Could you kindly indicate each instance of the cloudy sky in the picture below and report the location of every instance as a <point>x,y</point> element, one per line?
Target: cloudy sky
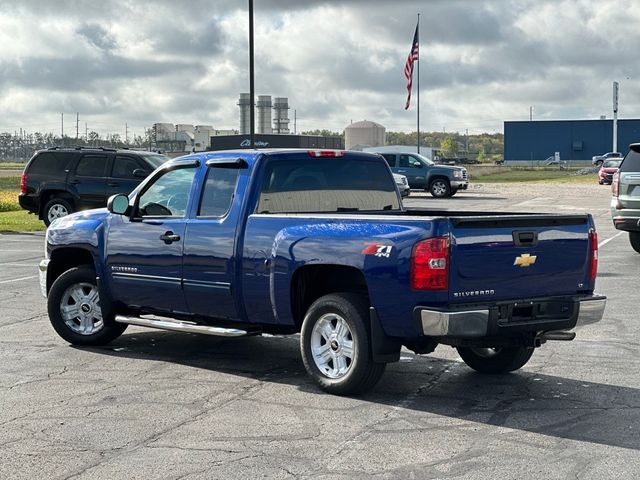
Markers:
<point>482,62</point>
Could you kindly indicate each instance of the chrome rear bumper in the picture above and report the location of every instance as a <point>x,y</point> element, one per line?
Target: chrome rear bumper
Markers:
<point>480,322</point>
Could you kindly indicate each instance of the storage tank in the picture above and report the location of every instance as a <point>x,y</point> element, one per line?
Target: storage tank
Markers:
<point>364,133</point>
<point>281,115</point>
<point>263,108</point>
<point>245,113</point>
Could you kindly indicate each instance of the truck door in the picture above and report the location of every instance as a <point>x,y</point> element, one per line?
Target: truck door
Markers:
<point>144,252</point>
<point>413,169</point>
<point>88,180</point>
<point>209,250</point>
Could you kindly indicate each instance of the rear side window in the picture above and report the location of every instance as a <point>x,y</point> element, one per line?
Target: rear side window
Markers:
<point>390,158</point>
<point>50,163</point>
<point>91,166</point>
<point>631,162</point>
<point>218,191</point>
<point>327,185</point>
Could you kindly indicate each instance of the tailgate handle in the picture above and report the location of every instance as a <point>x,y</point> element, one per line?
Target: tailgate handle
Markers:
<point>525,239</point>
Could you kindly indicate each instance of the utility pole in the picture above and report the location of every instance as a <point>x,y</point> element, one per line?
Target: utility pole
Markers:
<point>77,124</point>
<point>126,133</point>
<point>86,132</point>
<point>252,113</point>
<point>530,113</point>
<point>62,125</point>
<point>615,117</point>
<point>466,138</point>
<point>295,120</point>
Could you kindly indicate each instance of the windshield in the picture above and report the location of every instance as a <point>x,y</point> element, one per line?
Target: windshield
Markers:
<point>424,159</point>
<point>155,159</point>
<point>612,163</point>
<point>327,185</point>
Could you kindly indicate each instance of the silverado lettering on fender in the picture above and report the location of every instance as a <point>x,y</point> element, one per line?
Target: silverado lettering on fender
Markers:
<point>283,241</point>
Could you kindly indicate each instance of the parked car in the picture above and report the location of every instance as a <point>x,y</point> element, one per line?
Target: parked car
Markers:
<point>440,180</point>
<point>247,242</point>
<point>607,170</point>
<point>403,184</point>
<point>599,159</point>
<point>625,205</point>
<point>59,181</point>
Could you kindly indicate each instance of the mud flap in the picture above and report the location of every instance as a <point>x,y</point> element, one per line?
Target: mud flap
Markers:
<point>384,349</point>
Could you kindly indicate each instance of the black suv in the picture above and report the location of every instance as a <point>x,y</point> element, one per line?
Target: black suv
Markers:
<point>59,181</point>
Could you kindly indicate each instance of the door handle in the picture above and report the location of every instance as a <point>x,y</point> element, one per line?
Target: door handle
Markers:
<point>74,182</point>
<point>402,171</point>
<point>169,237</point>
<point>113,184</point>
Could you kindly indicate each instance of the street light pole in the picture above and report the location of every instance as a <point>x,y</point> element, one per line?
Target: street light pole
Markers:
<point>615,116</point>
<point>252,115</point>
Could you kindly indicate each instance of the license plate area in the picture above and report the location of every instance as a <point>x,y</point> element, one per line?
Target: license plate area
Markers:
<point>529,311</point>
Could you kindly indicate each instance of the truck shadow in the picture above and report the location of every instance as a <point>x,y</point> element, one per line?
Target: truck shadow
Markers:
<point>545,404</point>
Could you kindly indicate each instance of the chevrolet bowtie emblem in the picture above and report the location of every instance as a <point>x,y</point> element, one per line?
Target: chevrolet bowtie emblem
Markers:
<point>525,260</point>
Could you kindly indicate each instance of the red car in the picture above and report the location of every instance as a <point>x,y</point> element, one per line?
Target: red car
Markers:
<point>607,170</point>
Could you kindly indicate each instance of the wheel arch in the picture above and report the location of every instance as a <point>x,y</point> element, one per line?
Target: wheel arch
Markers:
<point>51,193</point>
<point>63,259</point>
<point>310,282</point>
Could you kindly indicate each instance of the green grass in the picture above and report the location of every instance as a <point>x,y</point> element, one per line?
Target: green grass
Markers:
<point>534,175</point>
<point>20,221</point>
<point>11,165</point>
<point>10,183</point>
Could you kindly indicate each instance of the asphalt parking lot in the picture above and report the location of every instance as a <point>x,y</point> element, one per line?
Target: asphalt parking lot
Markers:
<point>169,405</point>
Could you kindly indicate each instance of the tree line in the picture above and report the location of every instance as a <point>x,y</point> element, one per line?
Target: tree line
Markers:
<point>21,146</point>
<point>485,146</point>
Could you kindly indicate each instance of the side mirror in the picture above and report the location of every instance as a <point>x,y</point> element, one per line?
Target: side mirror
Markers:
<point>118,204</point>
<point>417,164</point>
<point>140,173</point>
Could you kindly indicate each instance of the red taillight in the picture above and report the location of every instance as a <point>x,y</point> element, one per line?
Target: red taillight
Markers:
<point>23,183</point>
<point>430,264</point>
<point>615,183</point>
<point>326,153</point>
<point>593,248</point>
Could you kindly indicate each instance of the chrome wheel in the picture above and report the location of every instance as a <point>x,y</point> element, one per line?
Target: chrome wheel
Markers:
<point>80,309</point>
<point>487,352</point>
<point>332,345</point>
<point>439,188</point>
<point>56,211</point>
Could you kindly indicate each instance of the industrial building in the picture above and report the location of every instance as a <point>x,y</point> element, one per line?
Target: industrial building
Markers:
<point>575,140</point>
<point>232,142</point>
<point>264,109</point>
<point>183,137</point>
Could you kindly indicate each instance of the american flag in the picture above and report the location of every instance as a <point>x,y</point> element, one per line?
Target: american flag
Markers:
<point>408,67</point>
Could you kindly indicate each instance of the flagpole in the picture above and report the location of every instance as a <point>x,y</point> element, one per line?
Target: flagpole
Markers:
<point>418,87</point>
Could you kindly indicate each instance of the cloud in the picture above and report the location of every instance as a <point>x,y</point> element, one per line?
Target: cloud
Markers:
<point>482,62</point>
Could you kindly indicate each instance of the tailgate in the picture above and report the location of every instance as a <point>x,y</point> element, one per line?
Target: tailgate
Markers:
<point>519,256</point>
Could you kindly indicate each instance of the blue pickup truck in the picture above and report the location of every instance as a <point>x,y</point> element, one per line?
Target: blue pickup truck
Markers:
<point>317,242</point>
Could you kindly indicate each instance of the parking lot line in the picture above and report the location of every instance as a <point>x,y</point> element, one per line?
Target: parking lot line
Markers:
<point>604,242</point>
<point>18,279</point>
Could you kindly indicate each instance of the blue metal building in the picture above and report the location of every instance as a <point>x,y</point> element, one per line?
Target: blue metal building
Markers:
<point>574,139</point>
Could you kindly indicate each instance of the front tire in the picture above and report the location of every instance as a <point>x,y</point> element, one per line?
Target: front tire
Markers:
<point>634,240</point>
<point>56,208</point>
<point>495,360</point>
<point>76,312</point>
<point>440,188</point>
<point>336,347</point>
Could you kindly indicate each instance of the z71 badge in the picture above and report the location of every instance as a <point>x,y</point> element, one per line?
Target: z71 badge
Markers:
<point>378,250</point>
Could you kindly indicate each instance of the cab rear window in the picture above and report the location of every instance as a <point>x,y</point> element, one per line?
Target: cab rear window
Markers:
<point>327,185</point>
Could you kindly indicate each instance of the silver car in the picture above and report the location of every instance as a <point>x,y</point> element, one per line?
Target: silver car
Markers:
<point>599,159</point>
<point>403,184</point>
<point>625,204</point>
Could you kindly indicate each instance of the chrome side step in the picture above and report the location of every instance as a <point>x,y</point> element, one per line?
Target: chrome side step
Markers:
<point>174,325</point>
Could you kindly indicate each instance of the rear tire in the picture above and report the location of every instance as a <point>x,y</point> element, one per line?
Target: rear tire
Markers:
<point>634,240</point>
<point>440,188</point>
<point>495,360</point>
<point>335,344</point>
<point>56,208</point>
<point>76,311</point>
